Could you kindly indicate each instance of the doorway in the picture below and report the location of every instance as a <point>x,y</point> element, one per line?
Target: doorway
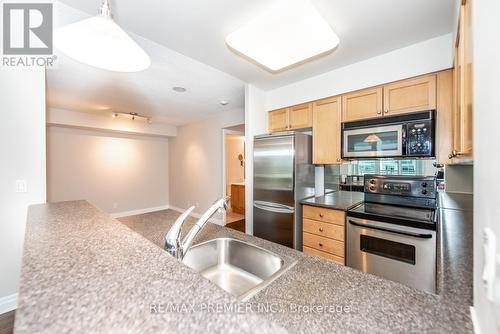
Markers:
<point>234,176</point>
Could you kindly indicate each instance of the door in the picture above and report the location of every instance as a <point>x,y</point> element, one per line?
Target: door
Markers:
<point>300,116</point>
<point>384,141</point>
<point>278,120</point>
<point>273,207</point>
<point>326,131</point>
<point>410,95</point>
<point>362,104</point>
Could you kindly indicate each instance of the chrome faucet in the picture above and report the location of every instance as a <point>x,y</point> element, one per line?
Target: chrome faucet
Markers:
<point>173,243</point>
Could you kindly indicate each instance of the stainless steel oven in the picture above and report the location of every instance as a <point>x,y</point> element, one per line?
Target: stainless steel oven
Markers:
<point>410,135</point>
<point>392,234</point>
<point>399,253</point>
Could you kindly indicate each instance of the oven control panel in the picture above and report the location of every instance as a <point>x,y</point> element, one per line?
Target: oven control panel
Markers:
<point>419,139</point>
<point>414,186</point>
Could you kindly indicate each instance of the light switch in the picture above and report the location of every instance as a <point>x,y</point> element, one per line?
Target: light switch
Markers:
<point>21,186</point>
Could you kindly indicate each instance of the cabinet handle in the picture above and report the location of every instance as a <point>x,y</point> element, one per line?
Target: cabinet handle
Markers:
<point>338,160</point>
<point>387,111</point>
<point>320,215</point>
<point>320,244</point>
<point>321,229</point>
<point>379,112</point>
<point>454,154</point>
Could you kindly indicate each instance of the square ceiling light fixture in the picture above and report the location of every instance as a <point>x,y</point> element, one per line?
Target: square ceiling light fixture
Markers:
<point>290,32</point>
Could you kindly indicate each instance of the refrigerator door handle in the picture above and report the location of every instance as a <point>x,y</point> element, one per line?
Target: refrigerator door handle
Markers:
<point>273,207</point>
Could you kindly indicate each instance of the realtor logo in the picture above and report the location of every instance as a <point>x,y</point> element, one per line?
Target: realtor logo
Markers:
<point>27,29</point>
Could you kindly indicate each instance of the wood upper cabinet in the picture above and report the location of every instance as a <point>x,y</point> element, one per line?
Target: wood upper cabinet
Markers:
<point>366,103</point>
<point>326,130</point>
<point>300,116</point>
<point>278,120</point>
<point>292,118</point>
<point>444,122</point>
<point>410,95</point>
<point>462,118</point>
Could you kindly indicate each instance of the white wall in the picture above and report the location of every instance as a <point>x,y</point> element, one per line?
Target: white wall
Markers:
<point>116,172</point>
<point>22,147</point>
<point>235,171</point>
<point>255,123</point>
<point>486,67</point>
<point>428,56</point>
<point>195,159</point>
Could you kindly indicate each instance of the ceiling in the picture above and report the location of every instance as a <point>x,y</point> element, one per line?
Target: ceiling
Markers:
<point>210,71</point>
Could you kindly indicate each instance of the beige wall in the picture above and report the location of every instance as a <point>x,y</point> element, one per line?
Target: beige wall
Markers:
<point>22,147</point>
<point>116,172</point>
<point>196,161</point>
<point>235,171</point>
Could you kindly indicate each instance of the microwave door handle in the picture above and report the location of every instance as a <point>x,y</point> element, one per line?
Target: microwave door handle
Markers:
<point>384,229</point>
<point>403,140</point>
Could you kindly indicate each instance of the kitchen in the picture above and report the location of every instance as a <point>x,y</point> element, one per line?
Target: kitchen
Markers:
<point>368,187</point>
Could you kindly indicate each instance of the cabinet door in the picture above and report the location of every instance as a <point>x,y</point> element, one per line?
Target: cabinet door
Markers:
<point>444,125</point>
<point>462,121</point>
<point>410,95</point>
<point>278,120</point>
<point>326,131</point>
<point>241,197</point>
<point>300,116</point>
<point>362,104</point>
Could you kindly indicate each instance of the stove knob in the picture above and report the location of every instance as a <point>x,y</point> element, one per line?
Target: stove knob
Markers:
<point>372,188</point>
<point>424,184</point>
<point>424,192</point>
<point>372,181</point>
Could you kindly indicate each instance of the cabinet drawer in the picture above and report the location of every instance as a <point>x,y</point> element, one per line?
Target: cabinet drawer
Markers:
<point>324,215</point>
<point>326,230</point>
<point>331,246</point>
<point>327,256</point>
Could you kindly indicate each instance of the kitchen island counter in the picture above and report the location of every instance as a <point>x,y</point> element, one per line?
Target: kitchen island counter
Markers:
<point>84,271</point>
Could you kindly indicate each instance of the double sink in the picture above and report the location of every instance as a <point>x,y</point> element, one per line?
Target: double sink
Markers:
<point>240,268</point>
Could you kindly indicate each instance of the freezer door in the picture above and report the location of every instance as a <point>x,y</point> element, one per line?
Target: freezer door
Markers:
<point>274,222</point>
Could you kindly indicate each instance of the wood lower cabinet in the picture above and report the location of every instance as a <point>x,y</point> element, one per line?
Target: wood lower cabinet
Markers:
<point>300,116</point>
<point>324,233</point>
<point>410,95</point>
<point>326,131</point>
<point>362,104</point>
<point>238,198</point>
<point>278,120</point>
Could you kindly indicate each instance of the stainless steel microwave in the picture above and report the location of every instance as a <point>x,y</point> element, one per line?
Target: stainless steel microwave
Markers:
<point>407,135</point>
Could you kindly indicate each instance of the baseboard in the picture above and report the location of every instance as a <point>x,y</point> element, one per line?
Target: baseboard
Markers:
<point>197,215</point>
<point>475,324</point>
<point>139,211</point>
<point>8,303</point>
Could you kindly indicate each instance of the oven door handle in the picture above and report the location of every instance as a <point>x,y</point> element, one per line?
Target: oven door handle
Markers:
<point>410,234</point>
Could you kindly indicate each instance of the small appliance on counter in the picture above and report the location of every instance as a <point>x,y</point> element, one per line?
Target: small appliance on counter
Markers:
<point>352,183</point>
<point>392,234</point>
<point>409,135</point>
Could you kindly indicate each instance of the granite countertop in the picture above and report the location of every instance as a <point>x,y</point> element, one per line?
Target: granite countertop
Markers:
<point>338,200</point>
<point>83,271</point>
<point>455,247</point>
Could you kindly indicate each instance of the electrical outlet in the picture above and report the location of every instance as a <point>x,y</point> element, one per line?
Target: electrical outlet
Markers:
<point>21,186</point>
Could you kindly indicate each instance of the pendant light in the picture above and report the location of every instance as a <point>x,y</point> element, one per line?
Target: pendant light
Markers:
<point>100,42</point>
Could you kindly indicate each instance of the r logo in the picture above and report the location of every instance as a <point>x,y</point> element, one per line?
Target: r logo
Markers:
<point>27,28</point>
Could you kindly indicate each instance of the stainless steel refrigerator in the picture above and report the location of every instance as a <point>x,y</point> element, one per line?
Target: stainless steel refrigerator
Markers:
<point>283,176</point>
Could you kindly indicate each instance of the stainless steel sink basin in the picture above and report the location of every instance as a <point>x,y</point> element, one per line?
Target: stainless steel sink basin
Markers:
<point>238,267</point>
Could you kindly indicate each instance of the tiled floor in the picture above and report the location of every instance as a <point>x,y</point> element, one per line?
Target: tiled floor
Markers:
<point>235,221</point>
<point>7,322</point>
